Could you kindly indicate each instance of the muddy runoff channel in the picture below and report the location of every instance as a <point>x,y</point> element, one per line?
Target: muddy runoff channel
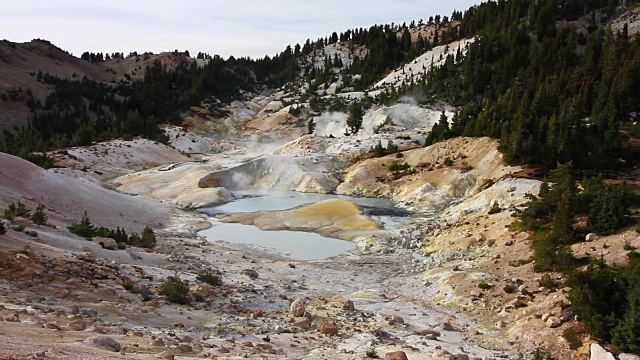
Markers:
<point>286,244</point>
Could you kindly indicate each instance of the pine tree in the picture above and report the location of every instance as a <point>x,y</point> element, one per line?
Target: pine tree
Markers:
<point>84,228</point>
<point>39,217</point>
<point>354,121</point>
<point>148,238</point>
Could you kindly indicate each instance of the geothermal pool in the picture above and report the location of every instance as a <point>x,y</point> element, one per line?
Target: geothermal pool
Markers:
<point>285,244</point>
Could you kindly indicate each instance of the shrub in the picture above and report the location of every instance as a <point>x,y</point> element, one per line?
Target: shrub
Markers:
<point>39,217</point>
<point>399,155</point>
<point>509,289</point>
<point>543,355</point>
<point>128,285</point>
<point>18,228</point>
<point>148,239</point>
<point>448,162</point>
<point>14,210</point>
<point>211,277</point>
<point>175,290</point>
<point>572,337</point>
<point>495,208</point>
<point>2,228</point>
<point>83,228</point>
<point>547,282</point>
<point>628,246</point>
<point>484,285</point>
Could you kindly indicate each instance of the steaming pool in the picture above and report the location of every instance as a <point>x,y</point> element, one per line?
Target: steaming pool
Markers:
<point>286,244</point>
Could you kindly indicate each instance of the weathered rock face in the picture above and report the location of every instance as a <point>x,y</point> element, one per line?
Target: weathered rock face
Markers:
<point>444,172</point>
<point>180,185</point>
<point>304,174</point>
<point>598,353</point>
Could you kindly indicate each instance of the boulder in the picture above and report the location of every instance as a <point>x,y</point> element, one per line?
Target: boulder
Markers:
<point>628,357</point>
<point>591,237</point>
<point>598,353</point>
<point>328,328</point>
<point>447,326</point>
<point>166,355</point>
<point>185,348</point>
<point>105,342</point>
<point>553,322</point>
<point>441,355</point>
<point>481,237</point>
<point>347,305</point>
<point>106,243</point>
<point>461,357</point>
<point>78,325</point>
<point>396,355</point>
<point>396,319</point>
<point>428,332</point>
<point>297,308</point>
<point>250,273</point>
<point>302,322</point>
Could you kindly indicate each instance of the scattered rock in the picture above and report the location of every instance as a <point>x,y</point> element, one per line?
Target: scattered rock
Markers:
<point>347,305</point>
<point>441,355</point>
<point>302,322</point>
<point>396,319</point>
<point>166,355</point>
<point>396,355</point>
<point>78,325</point>
<point>598,353</point>
<point>628,357</point>
<point>185,348</point>
<point>106,243</point>
<point>481,237</point>
<point>250,273</point>
<point>591,237</point>
<point>447,326</point>
<point>428,332</point>
<point>515,355</point>
<point>328,328</point>
<point>553,322</point>
<point>105,342</point>
<point>297,308</point>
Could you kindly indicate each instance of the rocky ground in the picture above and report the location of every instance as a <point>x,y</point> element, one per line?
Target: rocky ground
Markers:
<point>453,282</point>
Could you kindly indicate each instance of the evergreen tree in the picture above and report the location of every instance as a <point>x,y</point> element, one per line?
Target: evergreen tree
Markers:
<point>354,120</point>
<point>148,238</point>
<point>39,217</point>
<point>84,228</point>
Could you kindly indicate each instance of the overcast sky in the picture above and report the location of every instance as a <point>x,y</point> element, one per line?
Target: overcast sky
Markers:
<point>231,27</point>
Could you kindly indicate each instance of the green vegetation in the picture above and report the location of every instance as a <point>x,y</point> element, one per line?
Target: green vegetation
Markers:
<point>86,229</point>
<point>2,228</point>
<point>39,217</point>
<point>20,210</point>
<point>608,302</point>
<point>547,282</point>
<point>495,208</point>
<point>14,210</point>
<point>175,290</point>
<point>379,150</point>
<point>211,277</point>
<point>484,285</point>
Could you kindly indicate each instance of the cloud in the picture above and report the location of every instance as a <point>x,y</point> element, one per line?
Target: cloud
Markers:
<point>240,28</point>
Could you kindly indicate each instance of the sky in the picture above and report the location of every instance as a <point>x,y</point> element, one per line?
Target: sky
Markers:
<point>231,27</point>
